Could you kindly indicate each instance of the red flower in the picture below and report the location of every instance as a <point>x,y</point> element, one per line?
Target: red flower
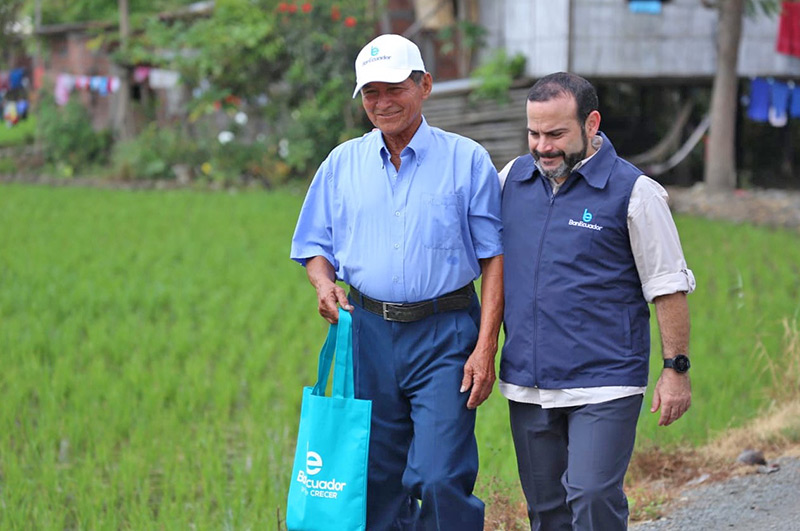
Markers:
<point>335,13</point>
<point>350,22</point>
<point>306,8</point>
<point>292,8</point>
<point>283,7</point>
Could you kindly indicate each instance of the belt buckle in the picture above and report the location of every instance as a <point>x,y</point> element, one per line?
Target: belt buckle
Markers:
<point>387,307</point>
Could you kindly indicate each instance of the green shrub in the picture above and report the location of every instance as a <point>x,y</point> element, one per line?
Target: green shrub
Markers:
<point>154,153</point>
<point>68,139</point>
<point>496,76</point>
<point>291,63</point>
<point>8,166</point>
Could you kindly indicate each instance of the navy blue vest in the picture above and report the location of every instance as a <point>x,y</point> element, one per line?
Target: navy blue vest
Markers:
<point>575,315</point>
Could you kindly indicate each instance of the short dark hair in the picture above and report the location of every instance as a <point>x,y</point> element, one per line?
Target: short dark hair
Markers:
<point>416,76</point>
<point>565,84</point>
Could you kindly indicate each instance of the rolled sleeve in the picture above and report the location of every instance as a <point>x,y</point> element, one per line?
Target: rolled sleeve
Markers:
<point>313,235</point>
<point>655,242</point>
<point>485,223</point>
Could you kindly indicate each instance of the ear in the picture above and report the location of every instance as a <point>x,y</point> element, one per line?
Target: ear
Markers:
<point>592,124</point>
<point>426,85</point>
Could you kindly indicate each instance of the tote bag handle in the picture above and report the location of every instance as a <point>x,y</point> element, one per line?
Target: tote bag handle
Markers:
<point>338,345</point>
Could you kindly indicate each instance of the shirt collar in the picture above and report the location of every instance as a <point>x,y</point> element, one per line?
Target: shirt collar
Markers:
<point>596,168</point>
<point>419,145</point>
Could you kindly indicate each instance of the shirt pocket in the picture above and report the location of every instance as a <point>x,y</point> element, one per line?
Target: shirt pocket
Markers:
<point>441,221</point>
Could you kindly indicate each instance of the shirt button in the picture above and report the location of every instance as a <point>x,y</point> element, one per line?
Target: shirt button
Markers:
<point>397,214</point>
<point>397,246</point>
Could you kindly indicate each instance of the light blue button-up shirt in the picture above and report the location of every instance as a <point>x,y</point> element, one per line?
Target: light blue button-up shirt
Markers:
<point>407,235</point>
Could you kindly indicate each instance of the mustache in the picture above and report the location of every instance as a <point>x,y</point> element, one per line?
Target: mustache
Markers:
<point>548,154</point>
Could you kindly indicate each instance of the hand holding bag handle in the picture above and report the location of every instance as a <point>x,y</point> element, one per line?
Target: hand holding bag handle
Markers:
<point>328,489</point>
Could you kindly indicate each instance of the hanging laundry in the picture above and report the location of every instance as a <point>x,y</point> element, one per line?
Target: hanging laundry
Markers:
<point>99,84</point>
<point>794,108</point>
<point>64,85</point>
<point>163,79</point>
<point>789,29</point>
<point>652,7</point>
<point>140,74</point>
<point>15,78</point>
<point>82,82</point>
<point>113,85</point>
<point>3,81</point>
<point>758,110</point>
<point>779,104</point>
<point>22,109</point>
<point>10,115</point>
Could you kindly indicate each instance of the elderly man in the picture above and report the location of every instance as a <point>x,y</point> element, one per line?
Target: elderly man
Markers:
<point>409,216</point>
<point>589,242</point>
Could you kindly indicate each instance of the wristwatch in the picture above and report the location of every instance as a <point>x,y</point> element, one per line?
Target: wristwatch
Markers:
<point>679,363</point>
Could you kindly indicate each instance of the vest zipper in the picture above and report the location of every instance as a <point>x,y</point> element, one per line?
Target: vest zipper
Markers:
<point>536,289</point>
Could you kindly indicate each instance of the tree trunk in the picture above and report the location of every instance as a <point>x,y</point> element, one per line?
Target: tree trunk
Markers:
<point>122,119</point>
<point>720,170</point>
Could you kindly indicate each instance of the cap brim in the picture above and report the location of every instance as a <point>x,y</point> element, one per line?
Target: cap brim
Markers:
<point>382,75</point>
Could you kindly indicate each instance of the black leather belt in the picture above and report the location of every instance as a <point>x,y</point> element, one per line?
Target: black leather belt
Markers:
<point>414,311</point>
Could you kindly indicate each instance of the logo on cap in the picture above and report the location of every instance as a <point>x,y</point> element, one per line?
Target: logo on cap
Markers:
<point>374,51</point>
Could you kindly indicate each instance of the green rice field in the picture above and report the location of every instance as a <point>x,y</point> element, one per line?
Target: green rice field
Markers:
<point>154,346</point>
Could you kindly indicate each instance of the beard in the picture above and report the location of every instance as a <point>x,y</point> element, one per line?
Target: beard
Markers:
<point>569,159</point>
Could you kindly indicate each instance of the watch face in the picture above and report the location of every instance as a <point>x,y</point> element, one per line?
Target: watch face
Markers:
<point>681,363</point>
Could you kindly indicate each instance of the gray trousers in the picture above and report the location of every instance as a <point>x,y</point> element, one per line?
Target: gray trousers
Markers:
<point>572,462</point>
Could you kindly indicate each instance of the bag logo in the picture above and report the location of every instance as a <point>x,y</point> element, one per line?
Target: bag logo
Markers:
<point>313,463</point>
<point>318,488</point>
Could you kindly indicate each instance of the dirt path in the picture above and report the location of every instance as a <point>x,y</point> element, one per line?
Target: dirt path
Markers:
<point>752,502</point>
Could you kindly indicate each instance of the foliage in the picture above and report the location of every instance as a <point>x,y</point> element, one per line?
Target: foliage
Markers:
<point>162,152</point>
<point>496,75</point>
<point>154,152</point>
<point>472,36</point>
<point>8,165</point>
<point>155,345</point>
<point>20,134</point>
<point>66,11</point>
<point>767,8</point>
<point>67,137</point>
<point>290,62</point>
<point>9,14</point>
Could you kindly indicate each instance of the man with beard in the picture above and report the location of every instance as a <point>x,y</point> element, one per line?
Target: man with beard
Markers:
<point>589,241</point>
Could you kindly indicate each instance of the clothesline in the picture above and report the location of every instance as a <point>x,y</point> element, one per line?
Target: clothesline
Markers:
<point>105,85</point>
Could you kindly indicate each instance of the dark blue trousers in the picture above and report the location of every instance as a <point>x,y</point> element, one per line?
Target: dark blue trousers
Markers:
<point>572,462</point>
<point>422,444</point>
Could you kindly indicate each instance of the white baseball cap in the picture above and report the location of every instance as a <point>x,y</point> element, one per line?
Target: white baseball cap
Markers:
<point>389,59</point>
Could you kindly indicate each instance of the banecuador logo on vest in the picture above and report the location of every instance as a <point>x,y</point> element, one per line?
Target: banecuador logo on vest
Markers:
<point>319,488</point>
<point>585,221</point>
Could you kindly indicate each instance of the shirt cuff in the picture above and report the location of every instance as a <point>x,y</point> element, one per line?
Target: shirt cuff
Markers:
<point>301,257</point>
<point>668,284</point>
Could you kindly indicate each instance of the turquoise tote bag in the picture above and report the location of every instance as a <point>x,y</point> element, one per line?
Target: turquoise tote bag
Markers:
<point>328,488</point>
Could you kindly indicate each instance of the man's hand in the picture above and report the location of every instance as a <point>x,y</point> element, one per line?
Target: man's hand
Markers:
<point>479,375</point>
<point>329,295</point>
<point>673,395</point>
